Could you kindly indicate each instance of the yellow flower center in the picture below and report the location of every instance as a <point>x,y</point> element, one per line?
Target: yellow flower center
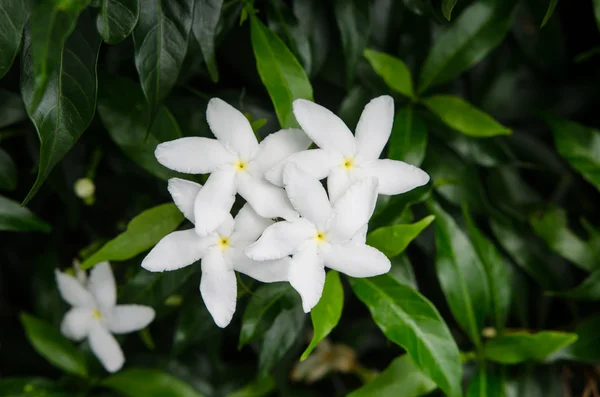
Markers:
<point>96,314</point>
<point>348,163</point>
<point>240,166</point>
<point>223,243</point>
<point>320,237</point>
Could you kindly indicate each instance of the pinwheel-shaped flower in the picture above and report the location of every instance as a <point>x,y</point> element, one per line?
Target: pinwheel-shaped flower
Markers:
<point>237,164</point>
<point>221,252</point>
<point>326,235</point>
<point>344,158</point>
<point>96,316</point>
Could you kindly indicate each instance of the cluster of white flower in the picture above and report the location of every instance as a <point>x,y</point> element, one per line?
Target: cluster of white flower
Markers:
<point>280,179</point>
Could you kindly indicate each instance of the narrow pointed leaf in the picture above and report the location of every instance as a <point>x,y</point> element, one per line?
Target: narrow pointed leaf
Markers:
<point>117,18</point>
<point>447,7</point>
<point>588,290</point>
<point>486,384</point>
<point>394,72</point>
<point>551,7</point>
<point>393,240</point>
<point>284,331</point>
<point>8,172</point>
<point>12,21</point>
<point>13,217</point>
<point>587,346</point>
<point>519,347</point>
<point>204,27</point>
<point>353,23</point>
<point>409,137</point>
<point>133,382</point>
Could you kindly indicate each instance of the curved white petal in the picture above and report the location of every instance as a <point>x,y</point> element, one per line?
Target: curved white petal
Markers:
<point>338,182</point>
<point>218,287</point>
<point>374,127</point>
<point>73,292</point>
<point>280,240</point>
<point>184,193</point>
<point>360,237</point>
<point>76,323</point>
<point>307,195</point>
<point>316,162</point>
<point>264,271</point>
<point>193,155</point>
<point>326,129</point>
<point>177,250</point>
<point>226,228</point>
<point>356,260</point>
<point>214,201</point>
<point>307,275</point>
<point>249,225</point>
<point>353,209</point>
<point>266,199</point>
<point>128,318</point>
<point>106,348</point>
<point>276,147</point>
<point>231,128</point>
<point>394,176</point>
<point>102,285</point>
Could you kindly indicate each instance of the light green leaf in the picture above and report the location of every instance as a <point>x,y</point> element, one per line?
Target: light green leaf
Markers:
<point>143,232</point>
<point>117,18</point>
<point>410,320</point>
<point>204,27</point>
<point>517,347</point>
<point>260,387</point>
<point>13,217</point>
<point>286,328</point>
<point>12,21</point>
<point>409,137</point>
<point>447,7</point>
<point>8,172</point>
<point>589,289</point>
<point>135,382</point>
<point>486,384</point>
<point>393,240</point>
<point>551,7</point>
<point>394,72</point>
<point>54,347</point>
<point>352,18</point>
<point>464,117</point>
<point>587,346</point>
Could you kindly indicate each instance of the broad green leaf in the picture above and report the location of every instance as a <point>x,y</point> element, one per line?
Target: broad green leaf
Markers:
<point>117,18</point>
<point>461,274</point>
<point>402,271</point>
<point>143,232</point>
<point>12,21</point>
<point>394,72</point>
<point>551,7</point>
<point>260,387</point>
<point>284,331</point>
<point>136,382</point>
<point>30,387</point>
<point>518,347</point>
<point>464,117</point>
<point>409,137</point>
<point>67,98</point>
<point>393,240</point>
<point>587,346</point>
<point>54,347</point>
<point>204,27</point>
<point>478,30</point>
<point>193,325</point>
<point>447,7</point>
<point>589,289</point>
<point>326,314</point>
<point>596,4</point>
<point>353,105</point>
<point>13,217</point>
<point>400,378</point>
<point>8,172</point>
<point>160,39</point>
<point>486,384</point>
<point>279,71</point>
<point>12,110</point>
<point>352,18</point>
<point>579,145</point>
<point>410,320</point>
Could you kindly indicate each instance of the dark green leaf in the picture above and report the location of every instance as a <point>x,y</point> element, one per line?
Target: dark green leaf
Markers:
<point>260,387</point>
<point>54,347</point>
<point>19,219</point>
<point>393,240</point>
<point>12,110</point>
<point>550,11</point>
<point>353,23</point>
<point>447,7</point>
<point>117,18</point>
<point>136,382</point>
<point>29,387</point>
<point>394,72</point>
<point>353,105</point>
<point>518,347</point>
<point>193,325</point>
<point>204,27</point>
<point>8,172</point>
<point>402,271</point>
<point>280,337</point>
<point>596,4</point>
<point>486,384</point>
<point>588,290</point>
<point>409,137</point>
<point>587,346</point>
<point>12,21</point>
<point>410,320</point>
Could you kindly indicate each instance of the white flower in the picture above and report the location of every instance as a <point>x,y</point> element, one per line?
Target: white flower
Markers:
<point>96,316</point>
<point>221,252</point>
<point>344,158</point>
<point>237,164</point>
<point>324,236</point>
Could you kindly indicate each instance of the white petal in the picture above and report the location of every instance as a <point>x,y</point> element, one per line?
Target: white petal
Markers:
<point>394,176</point>
<point>76,323</point>
<point>276,147</point>
<point>315,162</point>
<point>360,237</point>
<point>73,292</point>
<point>193,155</point>
<point>214,201</point>
<point>307,275</point>
<point>102,285</point>
<point>307,195</point>
<point>264,271</point>
<point>184,193</point>
<point>249,225</point>
<point>218,287</point>
<point>226,228</point>
<point>177,250</point>
<point>374,127</point>
<point>106,348</point>
<point>338,182</point>
<point>128,318</point>
<point>266,199</point>
<point>326,129</point>
<point>356,260</point>
<point>231,128</point>
<point>280,240</point>
<point>353,209</point>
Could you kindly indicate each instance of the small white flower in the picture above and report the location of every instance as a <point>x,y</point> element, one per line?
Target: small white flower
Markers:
<point>324,236</point>
<point>221,252</point>
<point>237,164</point>
<point>344,158</point>
<point>96,316</point>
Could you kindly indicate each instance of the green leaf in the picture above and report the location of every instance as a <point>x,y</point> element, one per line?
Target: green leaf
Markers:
<point>400,378</point>
<point>587,346</point>
<point>353,105</point>
<point>143,232</point>
<point>393,240</point>
<point>260,387</point>
<point>461,274</point>
<point>160,39</point>
<point>589,289</point>
<point>29,387</point>
<point>410,320</point>
<point>478,30</point>
<point>12,21</point>
<point>447,7</point>
<point>117,18</point>
<point>279,71</point>
<point>352,18</point>
<point>514,348</point>
<point>204,27</point>
<point>596,4</point>
<point>486,384</point>
<point>327,313</point>
<point>579,145</point>
<point>193,325</point>
<point>394,72</point>
<point>54,347</point>
<point>402,271</point>
<point>11,108</point>
<point>8,172</point>
<point>13,217</point>
<point>136,382</point>
<point>464,117</point>
<point>550,11</point>
<point>409,137</point>
<point>67,103</point>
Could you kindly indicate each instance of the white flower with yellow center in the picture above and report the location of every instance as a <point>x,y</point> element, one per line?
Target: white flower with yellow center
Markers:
<point>96,316</point>
<point>237,164</point>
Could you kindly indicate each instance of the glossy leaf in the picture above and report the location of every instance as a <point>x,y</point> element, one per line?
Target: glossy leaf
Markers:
<point>135,382</point>
<point>13,217</point>
<point>353,23</point>
<point>589,289</point>
<point>486,384</point>
<point>12,21</point>
<point>393,240</point>
<point>587,346</point>
<point>117,18</point>
<point>464,117</point>
<point>518,347</point>
<point>408,319</point>
<point>402,271</point>
<point>279,71</point>
<point>54,347</point>
<point>8,172</point>
<point>551,6</point>
<point>204,27</point>
<point>447,7</point>
<point>394,72</point>
<point>262,386</point>
<point>143,232</point>
<point>409,137</point>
